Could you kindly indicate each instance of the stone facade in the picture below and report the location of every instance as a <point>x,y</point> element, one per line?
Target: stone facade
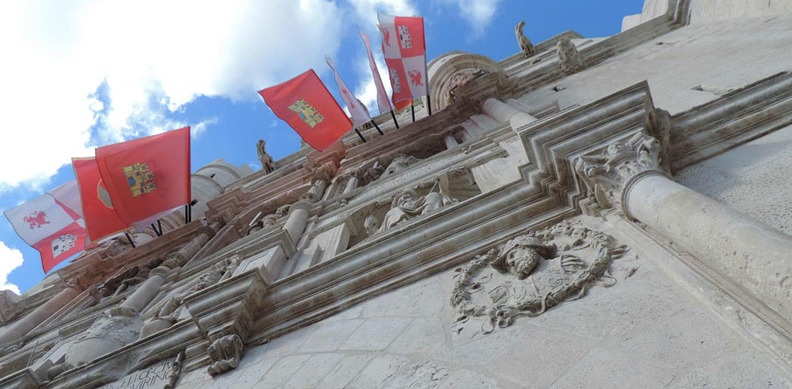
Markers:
<point>599,212</point>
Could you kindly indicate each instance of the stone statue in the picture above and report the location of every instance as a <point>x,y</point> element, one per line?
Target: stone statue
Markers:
<point>374,172</point>
<point>459,79</point>
<point>526,47</point>
<point>267,163</point>
<point>568,56</point>
<point>171,308</point>
<point>270,219</point>
<point>407,205</point>
<point>371,225</point>
<point>399,163</point>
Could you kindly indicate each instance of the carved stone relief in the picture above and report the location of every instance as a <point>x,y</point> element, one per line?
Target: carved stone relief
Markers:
<point>607,173</point>
<point>161,375</point>
<point>400,163</point>
<point>171,308</point>
<point>526,47</point>
<point>408,205</point>
<point>268,220</point>
<point>461,78</point>
<point>118,284</point>
<point>225,354</point>
<point>532,273</point>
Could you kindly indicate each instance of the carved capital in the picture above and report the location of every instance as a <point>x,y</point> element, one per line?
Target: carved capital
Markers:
<point>608,173</point>
<point>225,354</point>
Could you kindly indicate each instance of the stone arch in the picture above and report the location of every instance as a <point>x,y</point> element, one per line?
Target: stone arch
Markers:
<point>453,69</point>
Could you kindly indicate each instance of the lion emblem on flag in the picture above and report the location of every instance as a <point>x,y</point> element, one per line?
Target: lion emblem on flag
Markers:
<point>416,78</point>
<point>63,244</point>
<point>140,179</point>
<point>307,112</point>
<point>36,219</point>
<point>404,37</point>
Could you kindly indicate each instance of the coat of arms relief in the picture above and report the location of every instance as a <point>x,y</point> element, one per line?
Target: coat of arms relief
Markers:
<point>534,272</point>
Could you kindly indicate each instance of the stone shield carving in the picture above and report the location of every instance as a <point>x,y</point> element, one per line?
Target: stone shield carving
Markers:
<point>532,273</point>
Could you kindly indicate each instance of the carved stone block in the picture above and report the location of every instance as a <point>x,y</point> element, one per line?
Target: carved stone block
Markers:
<point>225,354</point>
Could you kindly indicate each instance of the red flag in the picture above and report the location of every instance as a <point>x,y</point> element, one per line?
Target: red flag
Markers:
<point>148,175</point>
<point>404,48</point>
<point>100,217</point>
<point>309,108</point>
<point>49,226</point>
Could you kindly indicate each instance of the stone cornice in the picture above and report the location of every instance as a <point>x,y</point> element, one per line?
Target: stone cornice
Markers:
<point>736,118</point>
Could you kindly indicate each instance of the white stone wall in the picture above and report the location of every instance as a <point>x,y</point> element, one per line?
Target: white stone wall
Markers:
<point>647,331</point>
<point>754,178</point>
<point>686,67</point>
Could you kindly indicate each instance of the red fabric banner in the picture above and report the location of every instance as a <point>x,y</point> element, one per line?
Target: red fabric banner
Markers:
<point>61,245</point>
<point>305,103</point>
<point>100,217</point>
<point>148,175</point>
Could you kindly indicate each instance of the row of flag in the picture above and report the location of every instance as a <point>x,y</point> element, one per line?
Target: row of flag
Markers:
<point>308,107</point>
<point>124,185</point>
<point>134,183</point>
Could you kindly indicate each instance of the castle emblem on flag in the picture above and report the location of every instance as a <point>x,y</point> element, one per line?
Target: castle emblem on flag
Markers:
<point>307,112</point>
<point>404,37</point>
<point>415,77</point>
<point>36,219</point>
<point>140,179</point>
<point>63,244</point>
<point>395,82</point>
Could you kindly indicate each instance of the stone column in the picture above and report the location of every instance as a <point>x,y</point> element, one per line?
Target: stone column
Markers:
<point>298,218</point>
<point>319,183</point>
<point>450,140</point>
<point>503,112</point>
<point>21,327</point>
<point>627,175</point>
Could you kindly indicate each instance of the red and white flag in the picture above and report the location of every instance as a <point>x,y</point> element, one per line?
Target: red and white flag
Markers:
<point>309,108</point>
<point>48,225</point>
<point>357,110</point>
<point>382,95</point>
<point>405,54</point>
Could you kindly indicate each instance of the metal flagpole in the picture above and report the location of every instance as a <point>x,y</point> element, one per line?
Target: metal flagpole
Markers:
<point>360,135</point>
<point>129,238</point>
<point>429,104</point>
<point>376,126</point>
<point>393,115</point>
<point>412,108</point>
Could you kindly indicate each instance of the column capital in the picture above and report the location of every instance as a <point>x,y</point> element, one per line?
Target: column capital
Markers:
<point>610,171</point>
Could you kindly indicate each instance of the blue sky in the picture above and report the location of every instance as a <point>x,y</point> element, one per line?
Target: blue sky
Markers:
<point>82,74</point>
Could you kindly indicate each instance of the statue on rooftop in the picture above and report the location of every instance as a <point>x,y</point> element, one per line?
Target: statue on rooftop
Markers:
<point>267,163</point>
<point>526,47</point>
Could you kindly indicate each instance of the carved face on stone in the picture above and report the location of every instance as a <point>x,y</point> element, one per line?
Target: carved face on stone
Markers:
<point>521,255</point>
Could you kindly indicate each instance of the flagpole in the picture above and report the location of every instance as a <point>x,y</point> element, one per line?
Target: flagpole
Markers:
<point>429,104</point>
<point>360,135</point>
<point>377,127</point>
<point>129,238</point>
<point>393,115</point>
<point>412,108</point>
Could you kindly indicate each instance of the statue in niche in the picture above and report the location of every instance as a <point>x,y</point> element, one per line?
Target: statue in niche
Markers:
<point>267,163</point>
<point>114,286</point>
<point>407,205</point>
<point>568,56</point>
<point>399,164</point>
<point>169,310</point>
<point>534,272</point>
<point>371,225</point>
<point>526,47</point>
<point>270,219</point>
<point>374,172</point>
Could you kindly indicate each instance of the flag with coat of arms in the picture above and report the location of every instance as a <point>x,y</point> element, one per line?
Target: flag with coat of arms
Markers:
<point>310,110</point>
<point>404,47</point>
<point>357,110</point>
<point>52,224</point>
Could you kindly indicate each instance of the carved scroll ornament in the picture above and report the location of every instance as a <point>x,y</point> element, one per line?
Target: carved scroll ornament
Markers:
<point>532,273</point>
<point>225,354</point>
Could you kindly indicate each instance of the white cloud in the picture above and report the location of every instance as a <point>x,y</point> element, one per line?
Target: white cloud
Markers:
<point>479,13</point>
<point>10,259</point>
<point>200,128</point>
<point>155,56</point>
<point>367,9</point>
